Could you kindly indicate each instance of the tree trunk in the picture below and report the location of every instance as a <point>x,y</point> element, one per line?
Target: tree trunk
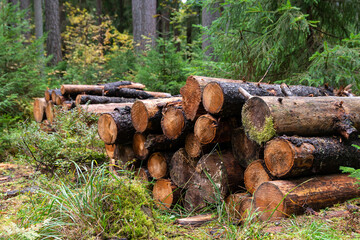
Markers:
<point>244,149</point>
<point>158,164</point>
<point>182,168</point>
<point>173,121</point>
<point>91,99</point>
<point>255,174</point>
<point>238,205</point>
<point>282,198</point>
<point>264,117</point>
<point>38,15</point>
<point>25,5</point>
<point>116,126</point>
<point>166,194</point>
<point>52,26</point>
<point>225,99</point>
<point>146,114</point>
<point>145,145</point>
<point>39,109</point>
<point>298,156</point>
<point>209,14</point>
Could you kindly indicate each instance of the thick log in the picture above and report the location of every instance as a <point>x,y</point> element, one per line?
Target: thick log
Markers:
<point>144,145</point>
<point>39,109</point>
<point>256,174</point>
<point>239,205</point>
<point>146,114</point>
<point>208,129</point>
<point>173,121</point>
<point>224,97</point>
<point>158,164</point>
<point>194,148</point>
<point>166,194</point>
<point>182,167</point>
<point>299,156</point>
<point>116,126</point>
<point>103,108</point>
<point>196,220</point>
<point>192,91</point>
<point>139,94</point>
<point>264,117</point>
<point>91,99</point>
<point>49,111</point>
<point>244,149</point>
<point>282,198</point>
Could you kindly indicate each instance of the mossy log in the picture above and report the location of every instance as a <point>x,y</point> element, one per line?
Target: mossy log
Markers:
<point>194,148</point>
<point>192,91</point>
<point>264,117</point>
<point>103,108</point>
<point>244,149</point>
<point>158,164</point>
<point>282,198</point>
<point>147,114</point>
<point>299,156</point>
<point>166,194</point>
<point>91,99</point>
<point>239,205</point>
<point>224,97</point>
<point>256,174</point>
<point>39,109</point>
<point>116,126</point>
<point>144,145</point>
<point>182,168</point>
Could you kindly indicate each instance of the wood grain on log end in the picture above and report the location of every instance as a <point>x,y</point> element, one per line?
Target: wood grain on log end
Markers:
<point>157,165</point>
<point>191,94</point>
<point>255,174</point>
<point>173,122</point>
<point>139,146</point>
<point>39,109</point>
<point>238,205</point>
<point>50,111</point>
<point>192,145</point>
<point>139,116</point>
<point>107,128</point>
<point>213,98</point>
<point>205,128</point>
<point>165,193</point>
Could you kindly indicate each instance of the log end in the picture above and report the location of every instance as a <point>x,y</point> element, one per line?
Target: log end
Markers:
<point>110,149</point>
<point>139,116</point>
<point>268,199</point>
<point>173,122</point>
<point>157,165</point>
<point>163,194</point>
<point>213,98</point>
<point>107,128</point>
<point>279,157</point>
<point>191,97</point>
<point>139,146</point>
<point>50,111</point>
<point>39,109</point>
<point>192,145</point>
<point>48,95</point>
<point>255,175</point>
<point>237,205</point>
<point>205,128</point>
<point>257,120</point>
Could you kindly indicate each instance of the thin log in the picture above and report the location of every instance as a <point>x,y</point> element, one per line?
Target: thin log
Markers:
<point>173,121</point>
<point>225,98</point>
<point>182,167</point>
<point>282,198</point>
<point>195,220</point>
<point>158,164</point>
<point>39,109</point>
<point>140,94</point>
<point>91,99</point>
<point>103,108</point>
<point>300,156</point>
<point>238,205</point>
<point>116,126</point>
<point>166,194</point>
<point>146,114</point>
<point>244,149</point>
<point>264,117</point>
<point>109,88</point>
<point>256,174</point>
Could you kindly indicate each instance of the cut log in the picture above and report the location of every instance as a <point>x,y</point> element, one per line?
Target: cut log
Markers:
<point>158,164</point>
<point>49,111</point>
<point>256,174</point>
<point>209,130</point>
<point>39,109</point>
<point>48,94</point>
<point>103,108</point>
<point>224,97</point>
<point>91,99</point>
<point>110,150</point>
<point>264,117</point>
<point>116,126</point>
<point>282,198</point>
<point>182,167</point>
<point>142,174</point>
<point>56,96</point>
<point>59,100</point>
<point>173,121</point>
<point>239,205</point>
<point>144,145</point>
<point>195,220</point>
<point>146,114</point>
<point>194,196</point>
<point>194,148</point>
<point>192,91</point>
<point>299,156</point>
<point>140,94</point>
<point>244,149</point>
<point>67,105</point>
<point>166,194</point>
<point>123,154</point>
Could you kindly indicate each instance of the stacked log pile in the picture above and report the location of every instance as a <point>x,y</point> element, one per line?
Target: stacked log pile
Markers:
<point>253,145</point>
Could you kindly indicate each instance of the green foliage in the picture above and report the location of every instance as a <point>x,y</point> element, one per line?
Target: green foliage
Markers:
<point>355,173</point>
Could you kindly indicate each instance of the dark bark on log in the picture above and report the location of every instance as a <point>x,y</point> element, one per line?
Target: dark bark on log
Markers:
<point>147,114</point>
<point>299,156</point>
<point>264,117</point>
<point>103,108</point>
<point>182,168</point>
<point>239,205</point>
<point>166,194</point>
<point>256,174</point>
<point>225,99</point>
<point>54,93</point>
<point>282,198</point>
<point>244,149</point>
<point>158,164</point>
<point>173,121</point>
<point>39,109</point>
<point>91,99</point>
<point>116,126</point>
<point>139,94</point>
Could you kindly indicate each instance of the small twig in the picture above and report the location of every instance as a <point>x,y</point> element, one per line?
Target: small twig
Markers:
<point>245,93</point>
<point>265,73</point>
<point>27,146</point>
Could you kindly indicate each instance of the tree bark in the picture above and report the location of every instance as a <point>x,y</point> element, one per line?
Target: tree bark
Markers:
<point>264,117</point>
<point>166,194</point>
<point>39,109</point>
<point>225,99</point>
<point>116,126</point>
<point>282,198</point>
<point>146,114</point>
<point>209,14</point>
<point>244,149</point>
<point>238,205</point>
<point>182,168</point>
<point>38,15</point>
<point>299,156</point>
<point>91,99</point>
<point>255,174</point>
<point>173,121</point>
<point>158,164</point>
<point>52,26</point>
<point>140,94</point>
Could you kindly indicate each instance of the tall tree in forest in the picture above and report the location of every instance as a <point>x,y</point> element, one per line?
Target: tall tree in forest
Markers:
<point>38,22</point>
<point>210,13</point>
<point>52,26</point>
<point>144,23</point>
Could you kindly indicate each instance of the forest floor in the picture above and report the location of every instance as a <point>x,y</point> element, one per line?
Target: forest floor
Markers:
<point>341,221</point>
